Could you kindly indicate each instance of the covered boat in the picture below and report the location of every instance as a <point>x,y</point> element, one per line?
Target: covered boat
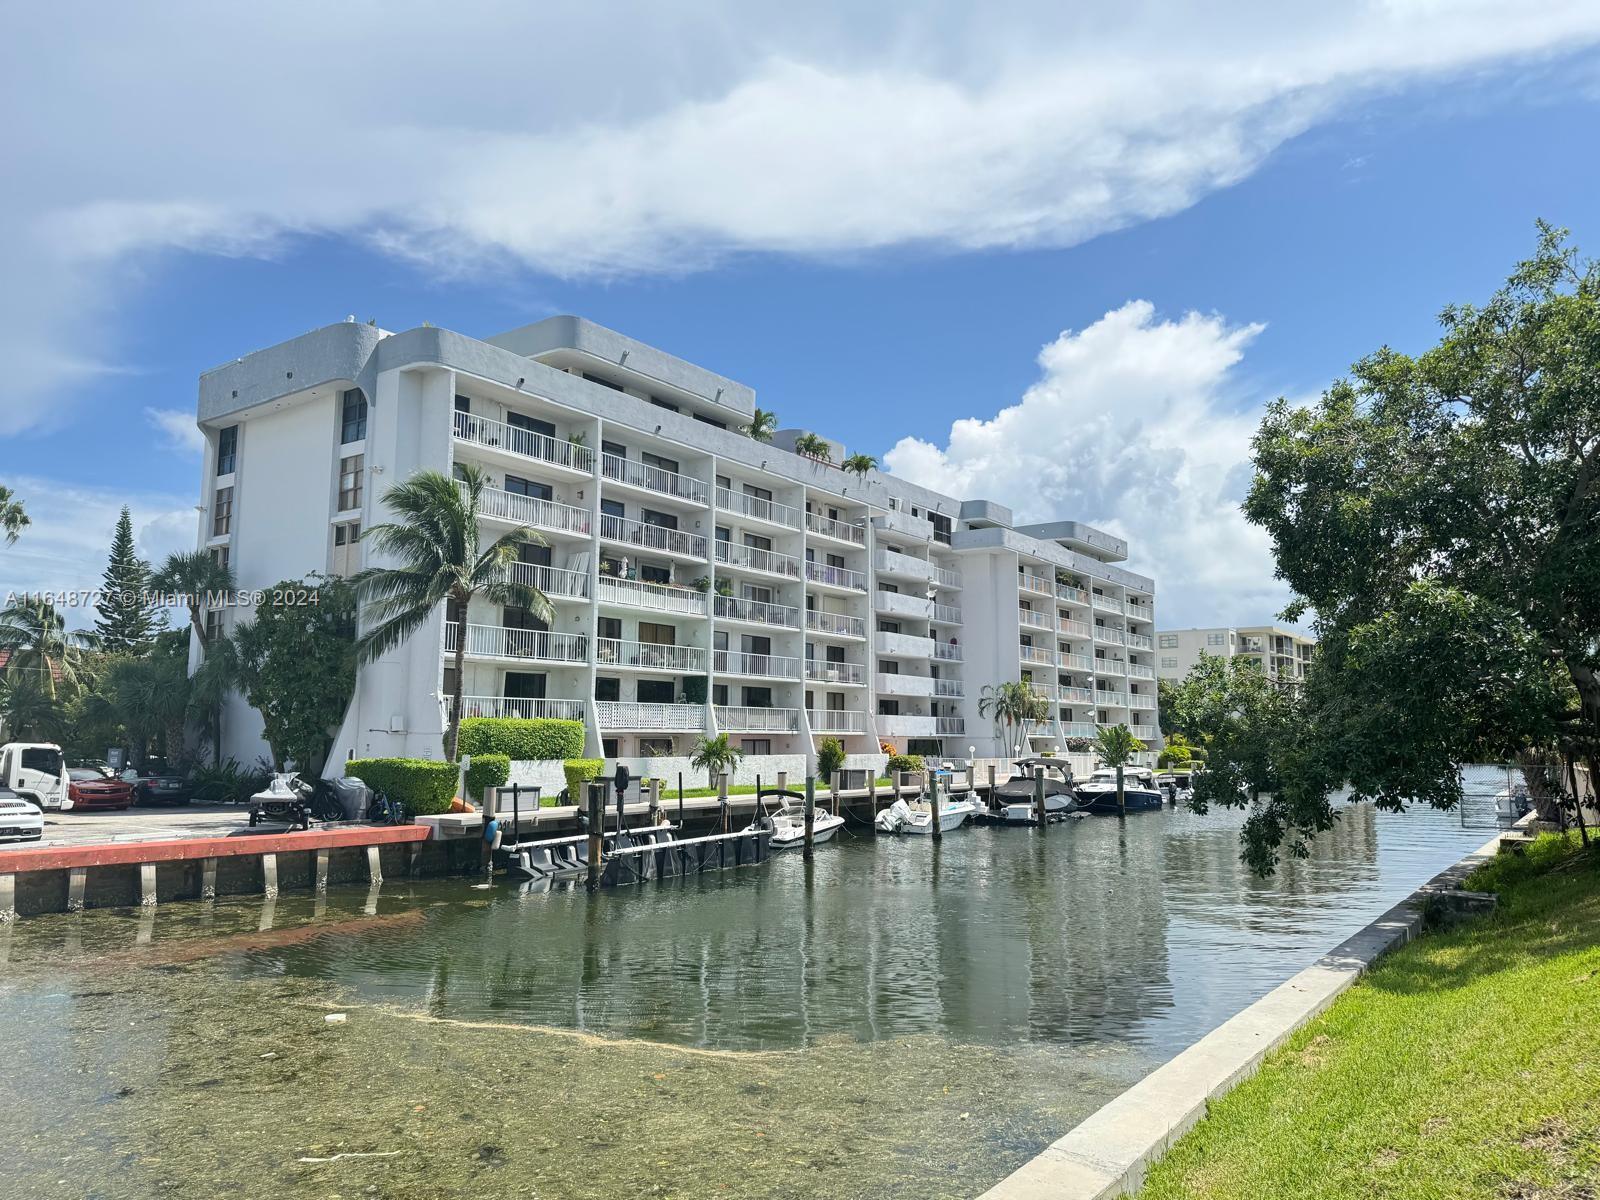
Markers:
<point>1013,801</point>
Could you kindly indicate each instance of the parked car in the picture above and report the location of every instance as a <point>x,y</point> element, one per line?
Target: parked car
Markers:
<point>95,764</point>
<point>159,783</point>
<point>35,771</point>
<point>88,789</point>
<point>20,820</point>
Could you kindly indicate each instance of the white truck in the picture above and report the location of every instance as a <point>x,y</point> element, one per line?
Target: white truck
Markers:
<point>36,771</point>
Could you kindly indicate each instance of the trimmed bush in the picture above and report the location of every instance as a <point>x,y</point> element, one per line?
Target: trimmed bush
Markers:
<point>578,772</point>
<point>486,771</point>
<point>520,740</point>
<point>903,762</point>
<point>830,757</point>
<point>423,785</point>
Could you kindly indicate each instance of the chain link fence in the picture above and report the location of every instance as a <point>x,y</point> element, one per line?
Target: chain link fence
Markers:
<point>1495,795</point>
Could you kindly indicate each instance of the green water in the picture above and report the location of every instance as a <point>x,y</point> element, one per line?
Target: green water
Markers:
<point>894,1021</point>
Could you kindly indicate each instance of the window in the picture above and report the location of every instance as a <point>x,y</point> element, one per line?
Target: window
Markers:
<point>213,624</point>
<point>1169,641</point>
<point>346,557</point>
<point>719,425</point>
<point>228,450</point>
<point>353,427</point>
<point>222,513</point>
<point>1216,639</point>
<point>655,747</point>
<point>655,691</point>
<point>615,387</point>
<point>463,403</point>
<point>607,688</point>
<point>518,486</point>
<point>219,555</point>
<point>351,471</point>
<point>608,747</point>
<point>888,708</point>
<point>530,424</point>
<point>347,533</point>
<point>1169,663</point>
<point>757,745</point>
<point>663,404</point>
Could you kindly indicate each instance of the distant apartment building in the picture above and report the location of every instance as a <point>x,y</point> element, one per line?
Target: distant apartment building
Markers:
<point>1283,654</point>
<point>703,582</point>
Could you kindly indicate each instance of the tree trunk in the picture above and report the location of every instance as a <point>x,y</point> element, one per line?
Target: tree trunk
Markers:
<point>455,691</point>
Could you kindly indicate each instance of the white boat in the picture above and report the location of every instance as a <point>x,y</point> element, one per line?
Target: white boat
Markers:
<point>1139,793</point>
<point>789,825</point>
<point>917,816</point>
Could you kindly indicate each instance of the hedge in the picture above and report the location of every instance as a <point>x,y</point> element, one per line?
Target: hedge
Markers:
<point>521,740</point>
<point>486,771</point>
<point>578,772</point>
<point>903,762</point>
<point>423,785</point>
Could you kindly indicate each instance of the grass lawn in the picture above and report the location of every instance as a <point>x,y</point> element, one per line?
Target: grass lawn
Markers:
<point>1465,1065</point>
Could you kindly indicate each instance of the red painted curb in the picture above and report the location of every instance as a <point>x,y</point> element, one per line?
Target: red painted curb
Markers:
<point>110,854</point>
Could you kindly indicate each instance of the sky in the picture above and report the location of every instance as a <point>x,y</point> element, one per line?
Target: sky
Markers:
<point>1057,259</point>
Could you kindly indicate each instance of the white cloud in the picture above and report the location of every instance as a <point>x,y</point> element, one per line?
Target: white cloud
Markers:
<point>621,138</point>
<point>178,429</point>
<point>1134,426</point>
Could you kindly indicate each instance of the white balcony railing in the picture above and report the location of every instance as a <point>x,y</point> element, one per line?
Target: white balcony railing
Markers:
<point>1076,695</point>
<point>1034,620</point>
<point>837,624</point>
<point>1036,654</point>
<point>656,597</point>
<point>1111,637</point>
<point>899,684</point>
<point>753,558</point>
<point>651,718</point>
<point>822,670</point>
<point>1144,703</point>
<point>1140,641</point>
<point>1110,699</point>
<point>1073,628</point>
<point>946,614</point>
<point>900,604</point>
<point>525,708</point>
<point>480,431</point>
<point>1110,666</point>
<point>908,725</point>
<point>495,641</point>
<point>757,612</point>
<point>653,479</point>
<point>757,508</point>
<point>1040,584</point>
<point>1077,662</point>
<point>763,666</point>
<point>894,563</point>
<point>949,687</point>
<point>1140,671</point>
<point>552,581</point>
<point>839,577</point>
<point>946,651</point>
<point>651,537</point>
<point>838,530</point>
<point>952,727</point>
<point>757,720</point>
<point>946,578</point>
<point>531,510</point>
<point>1071,595</point>
<point>1106,603</point>
<point>904,645</point>
<point>1078,729</point>
<point>648,656</point>
<point>836,720</point>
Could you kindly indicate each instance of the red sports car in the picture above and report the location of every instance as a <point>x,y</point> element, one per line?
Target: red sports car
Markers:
<point>88,788</point>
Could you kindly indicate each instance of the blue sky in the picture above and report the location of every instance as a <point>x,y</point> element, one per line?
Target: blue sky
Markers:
<point>1324,228</point>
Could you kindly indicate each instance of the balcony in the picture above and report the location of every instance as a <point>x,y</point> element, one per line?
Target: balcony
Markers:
<point>907,726</point>
<point>1038,584</point>
<point>524,443</point>
<point>1143,703</point>
<point>947,651</point>
<point>1106,603</point>
<point>903,645</point>
<point>945,614</point>
<point>1072,595</point>
<point>952,726</point>
<point>1110,699</point>
<point>836,577</point>
<point>1110,666</point>
<point>517,509</point>
<point>656,480</point>
<point>898,604</point>
<point>1140,671</point>
<point>946,578</point>
<point>836,720</point>
<point>554,582</point>
<point>903,523</point>
<point>1037,654</point>
<point>757,720</point>
<point>755,666</point>
<point>1141,612</point>
<point>839,625</point>
<point>1044,691</point>
<point>659,538</point>
<point>1111,637</point>
<point>837,674</point>
<point>625,716</point>
<point>839,531</point>
<point>892,684</point>
<point>757,509</point>
<point>1139,641</point>
<point>522,708</point>
<point>655,597</point>
<point>1032,620</point>
<point>757,612</point>
<point>1077,662</point>
<point>1072,628</point>
<point>950,688</point>
<point>495,641</point>
<point>757,560</point>
<point>1078,729</point>
<point>649,656</point>
<point>1076,695</point>
<point>891,562</point>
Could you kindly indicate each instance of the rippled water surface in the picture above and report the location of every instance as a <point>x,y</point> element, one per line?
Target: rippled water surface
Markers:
<point>894,1020</point>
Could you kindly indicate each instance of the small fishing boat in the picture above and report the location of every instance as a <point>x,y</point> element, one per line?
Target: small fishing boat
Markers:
<point>916,816</point>
<point>1139,792</point>
<point>788,822</point>
<point>1014,802</point>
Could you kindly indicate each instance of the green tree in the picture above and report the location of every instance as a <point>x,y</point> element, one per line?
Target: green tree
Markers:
<point>1013,706</point>
<point>1116,746</point>
<point>126,618</point>
<point>1177,752</point>
<point>199,581</point>
<point>1442,513</point>
<point>146,698</point>
<point>439,558</point>
<point>42,648</point>
<point>809,445</point>
<point>859,464</point>
<point>830,758</point>
<point>763,424</point>
<point>297,667</point>
<point>715,756</point>
<point>13,519</point>
<point>27,711</point>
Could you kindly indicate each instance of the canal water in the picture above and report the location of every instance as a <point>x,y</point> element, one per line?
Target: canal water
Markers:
<point>895,1020</point>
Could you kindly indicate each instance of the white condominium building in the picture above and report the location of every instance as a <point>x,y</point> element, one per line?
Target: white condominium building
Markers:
<point>1283,654</point>
<point>703,582</point>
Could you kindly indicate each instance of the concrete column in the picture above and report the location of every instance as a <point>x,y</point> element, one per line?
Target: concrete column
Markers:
<point>269,876</point>
<point>8,897</point>
<point>323,856</point>
<point>374,865</point>
<point>147,884</point>
<point>208,879</point>
<point>77,885</point>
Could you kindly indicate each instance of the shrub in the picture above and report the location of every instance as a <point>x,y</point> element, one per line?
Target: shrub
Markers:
<point>830,757</point>
<point>486,771</point>
<point>423,785</point>
<point>903,762</point>
<point>578,772</point>
<point>229,783</point>
<point>520,740</point>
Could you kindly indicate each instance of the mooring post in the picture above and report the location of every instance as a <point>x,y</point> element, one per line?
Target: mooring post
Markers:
<point>722,798</point>
<point>269,876</point>
<point>147,884</point>
<point>597,815</point>
<point>899,779</point>
<point>872,794</point>
<point>783,781</point>
<point>374,866</point>
<point>833,791</point>
<point>8,897</point>
<point>991,785</point>
<point>680,799</point>
<point>933,804</point>
<point>208,879</point>
<point>77,885</point>
<point>323,857</point>
<point>1038,795</point>
<point>811,815</point>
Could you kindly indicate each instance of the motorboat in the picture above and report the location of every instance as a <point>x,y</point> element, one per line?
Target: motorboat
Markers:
<point>1014,802</point>
<point>1139,792</point>
<point>788,821</point>
<point>916,816</point>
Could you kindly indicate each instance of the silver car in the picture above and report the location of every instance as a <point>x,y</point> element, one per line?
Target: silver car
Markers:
<point>20,820</point>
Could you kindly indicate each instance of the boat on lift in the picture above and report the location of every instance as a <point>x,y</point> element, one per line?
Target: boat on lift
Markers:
<point>1014,801</point>
<point>788,821</point>
<point>1139,792</point>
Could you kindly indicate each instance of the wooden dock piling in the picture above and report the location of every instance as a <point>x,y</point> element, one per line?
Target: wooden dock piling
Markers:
<point>1038,796</point>
<point>597,816</point>
<point>811,816</point>
<point>933,805</point>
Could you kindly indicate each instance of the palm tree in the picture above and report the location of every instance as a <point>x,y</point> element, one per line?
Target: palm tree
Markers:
<point>441,558</point>
<point>763,424</point>
<point>715,756</point>
<point>860,464</point>
<point>809,445</point>
<point>13,520</point>
<point>26,710</point>
<point>41,644</point>
<point>149,696</point>
<point>214,680</point>
<point>1013,705</point>
<point>193,576</point>
<point>1117,746</point>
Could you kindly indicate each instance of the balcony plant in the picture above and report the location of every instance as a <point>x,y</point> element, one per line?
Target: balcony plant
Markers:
<point>809,445</point>
<point>763,424</point>
<point>859,464</point>
<point>703,584</point>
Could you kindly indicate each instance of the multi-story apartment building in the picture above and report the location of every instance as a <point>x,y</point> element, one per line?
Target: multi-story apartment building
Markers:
<point>1283,654</point>
<point>702,581</point>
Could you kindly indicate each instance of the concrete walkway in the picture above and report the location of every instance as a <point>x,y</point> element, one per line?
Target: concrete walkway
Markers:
<point>140,824</point>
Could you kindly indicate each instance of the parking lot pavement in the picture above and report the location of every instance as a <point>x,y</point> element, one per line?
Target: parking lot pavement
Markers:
<point>143,824</point>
